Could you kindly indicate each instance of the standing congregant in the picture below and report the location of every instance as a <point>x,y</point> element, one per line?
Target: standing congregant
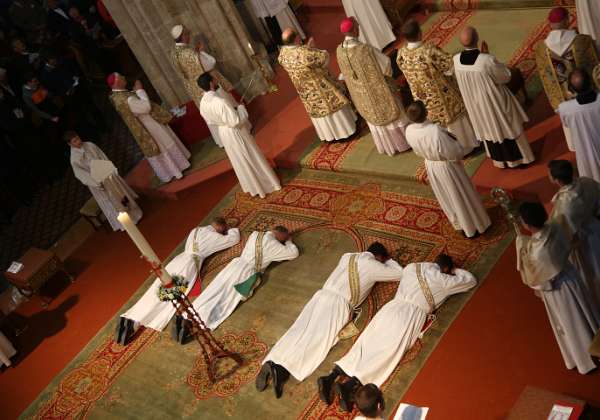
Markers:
<point>367,73</point>
<point>147,122</point>
<point>375,27</point>
<point>254,174</point>
<point>328,107</point>
<point>495,113</point>
<point>428,71</point>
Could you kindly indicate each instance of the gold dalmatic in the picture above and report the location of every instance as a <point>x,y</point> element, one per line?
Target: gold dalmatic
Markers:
<point>369,89</point>
<point>143,138</point>
<point>318,91</point>
<point>554,70</point>
<point>425,69</point>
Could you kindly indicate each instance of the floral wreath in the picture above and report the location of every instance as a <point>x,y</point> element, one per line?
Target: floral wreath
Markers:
<point>174,291</point>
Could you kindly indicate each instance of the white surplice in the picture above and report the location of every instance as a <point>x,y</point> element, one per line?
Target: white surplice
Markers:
<point>306,343</point>
<point>397,325</point>
<point>588,18</point>
<point>495,113</point>
<point>375,27</point>
<point>254,174</point>
<point>450,183</point>
<point>173,159</point>
<point>6,351</point>
<point>582,122</point>
<point>219,299</point>
<point>281,11</point>
<point>337,126</point>
<point>542,260</point>
<point>202,242</point>
<point>110,193</point>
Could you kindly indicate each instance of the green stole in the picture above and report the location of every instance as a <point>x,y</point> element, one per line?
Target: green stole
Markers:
<point>246,288</point>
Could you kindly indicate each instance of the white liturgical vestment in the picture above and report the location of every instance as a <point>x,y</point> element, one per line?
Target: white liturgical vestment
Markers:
<point>588,18</point>
<point>375,27</point>
<point>397,325</point>
<point>220,298</point>
<point>306,343</point>
<point>449,181</point>
<point>202,242</point>
<point>281,11</point>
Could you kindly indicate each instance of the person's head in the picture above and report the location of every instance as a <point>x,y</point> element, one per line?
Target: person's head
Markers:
<point>369,401</point>
<point>411,30</point>
<point>379,251</point>
<point>74,13</point>
<point>444,261</point>
<point>18,45</point>
<point>31,80</point>
<point>417,112</point>
<point>469,37</point>
<point>220,225</point>
<point>349,26</point>
<point>289,36</point>
<point>72,139</point>
<point>206,82</point>
<point>580,81</point>
<point>116,81</point>
<point>560,172</point>
<point>558,18</point>
<point>282,234</point>
<point>50,57</point>
<point>533,215</point>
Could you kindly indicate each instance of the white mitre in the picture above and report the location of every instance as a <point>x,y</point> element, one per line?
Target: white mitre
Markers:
<point>176,31</point>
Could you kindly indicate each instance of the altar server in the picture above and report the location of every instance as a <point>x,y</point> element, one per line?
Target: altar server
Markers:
<point>254,174</point>
<point>238,280</point>
<point>323,97</point>
<point>147,123</point>
<point>202,242</point>
<point>317,329</point>
<point>367,73</point>
<point>395,327</point>
<point>576,207</point>
<point>495,113</point>
<point>446,173</point>
<point>588,18</point>
<point>375,27</point>
<point>543,261</point>
<point>112,194</point>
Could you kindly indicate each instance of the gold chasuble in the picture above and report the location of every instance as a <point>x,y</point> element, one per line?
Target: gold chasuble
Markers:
<point>425,69</point>
<point>138,131</point>
<point>309,72</point>
<point>369,89</point>
<point>554,70</point>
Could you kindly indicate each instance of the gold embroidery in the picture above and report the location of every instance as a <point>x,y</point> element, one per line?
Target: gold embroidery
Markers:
<point>425,288</point>
<point>350,329</point>
<point>318,91</point>
<point>258,259</point>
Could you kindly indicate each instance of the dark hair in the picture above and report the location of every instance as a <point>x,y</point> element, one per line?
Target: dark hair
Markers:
<point>281,229</point>
<point>561,170</point>
<point>219,221</point>
<point>417,112</point>
<point>582,86</point>
<point>204,81</point>
<point>411,30</point>
<point>377,249</point>
<point>444,261</point>
<point>534,214</point>
<point>368,399</point>
<point>69,135</point>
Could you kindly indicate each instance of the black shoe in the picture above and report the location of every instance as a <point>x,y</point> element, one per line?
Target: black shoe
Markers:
<point>280,375</point>
<point>346,394</point>
<point>262,380</point>
<point>121,325</point>
<point>325,384</point>
<point>176,326</point>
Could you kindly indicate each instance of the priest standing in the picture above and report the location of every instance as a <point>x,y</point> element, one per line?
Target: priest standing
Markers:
<point>367,73</point>
<point>428,71</point>
<point>112,194</point>
<point>147,123</point>
<point>543,261</point>
<point>317,329</point>
<point>495,113</point>
<point>254,174</point>
<point>375,27</point>
<point>580,117</point>
<point>588,18</point>
<point>281,12</point>
<point>308,67</point>
<point>240,278</point>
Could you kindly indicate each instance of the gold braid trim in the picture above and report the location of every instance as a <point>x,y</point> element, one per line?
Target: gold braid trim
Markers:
<point>350,329</point>
<point>425,288</point>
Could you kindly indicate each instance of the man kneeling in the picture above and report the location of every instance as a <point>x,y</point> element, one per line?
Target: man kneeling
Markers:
<point>395,328</point>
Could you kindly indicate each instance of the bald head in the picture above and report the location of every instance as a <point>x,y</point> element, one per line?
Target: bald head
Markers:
<point>288,36</point>
<point>469,37</point>
<point>580,81</point>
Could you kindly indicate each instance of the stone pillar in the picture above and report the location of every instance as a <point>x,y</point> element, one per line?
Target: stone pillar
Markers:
<point>146,26</point>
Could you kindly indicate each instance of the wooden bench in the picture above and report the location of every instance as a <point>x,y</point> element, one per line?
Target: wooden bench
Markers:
<point>92,212</point>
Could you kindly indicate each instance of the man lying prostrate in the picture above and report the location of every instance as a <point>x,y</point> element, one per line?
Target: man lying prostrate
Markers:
<point>395,327</point>
<point>202,242</point>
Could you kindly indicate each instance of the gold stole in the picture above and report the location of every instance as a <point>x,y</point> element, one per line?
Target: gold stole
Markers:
<point>425,288</point>
<point>350,329</point>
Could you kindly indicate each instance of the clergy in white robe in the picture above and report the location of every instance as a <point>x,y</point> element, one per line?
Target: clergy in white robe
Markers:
<point>581,115</point>
<point>396,326</point>
<point>202,242</point>
<point>220,298</point>
<point>446,173</point>
<point>576,207</point>
<point>543,261</point>
<point>588,18</point>
<point>375,27</point>
<point>367,73</point>
<point>316,330</point>
<point>253,172</point>
<point>281,11</point>
<point>6,351</point>
<point>112,194</point>
<point>148,125</point>
<point>495,113</point>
